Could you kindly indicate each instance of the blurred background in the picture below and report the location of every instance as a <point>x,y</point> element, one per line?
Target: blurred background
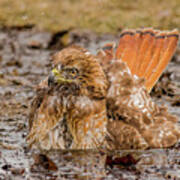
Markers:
<point>97,15</point>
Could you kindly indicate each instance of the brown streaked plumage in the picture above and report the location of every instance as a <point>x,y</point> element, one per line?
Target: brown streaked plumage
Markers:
<point>70,110</point>
<point>130,106</point>
<point>105,102</point>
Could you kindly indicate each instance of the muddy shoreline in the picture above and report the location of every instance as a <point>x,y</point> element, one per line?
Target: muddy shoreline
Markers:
<point>24,61</point>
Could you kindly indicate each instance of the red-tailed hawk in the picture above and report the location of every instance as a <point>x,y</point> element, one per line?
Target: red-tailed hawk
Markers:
<point>89,101</point>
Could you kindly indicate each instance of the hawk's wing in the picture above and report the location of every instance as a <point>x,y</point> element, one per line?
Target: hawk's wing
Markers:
<point>46,120</point>
<point>41,91</point>
<point>135,121</point>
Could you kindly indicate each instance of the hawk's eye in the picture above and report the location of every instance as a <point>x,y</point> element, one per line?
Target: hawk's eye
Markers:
<point>72,71</point>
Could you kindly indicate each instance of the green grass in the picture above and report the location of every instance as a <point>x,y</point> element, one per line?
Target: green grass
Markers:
<point>97,15</point>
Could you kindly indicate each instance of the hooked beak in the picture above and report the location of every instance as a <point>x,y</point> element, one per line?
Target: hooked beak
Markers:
<point>57,76</point>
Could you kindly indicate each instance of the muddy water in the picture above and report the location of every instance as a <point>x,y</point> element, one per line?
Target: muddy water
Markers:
<point>24,61</point>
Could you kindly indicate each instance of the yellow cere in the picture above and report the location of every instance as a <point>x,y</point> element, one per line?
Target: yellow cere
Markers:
<point>55,72</point>
<point>60,79</point>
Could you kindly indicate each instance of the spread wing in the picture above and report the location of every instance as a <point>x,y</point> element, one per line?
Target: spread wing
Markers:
<point>46,120</point>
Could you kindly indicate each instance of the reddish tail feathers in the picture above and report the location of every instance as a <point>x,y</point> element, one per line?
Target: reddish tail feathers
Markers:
<point>147,52</point>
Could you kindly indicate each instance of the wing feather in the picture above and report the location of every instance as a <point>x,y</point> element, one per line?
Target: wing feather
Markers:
<point>130,108</point>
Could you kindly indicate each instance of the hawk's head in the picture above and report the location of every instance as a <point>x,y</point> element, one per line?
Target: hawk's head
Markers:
<point>75,65</point>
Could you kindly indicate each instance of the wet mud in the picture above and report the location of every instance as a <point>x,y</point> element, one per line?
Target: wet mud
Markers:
<point>24,61</point>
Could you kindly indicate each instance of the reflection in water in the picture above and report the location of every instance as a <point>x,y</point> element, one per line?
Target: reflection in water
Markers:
<point>94,164</point>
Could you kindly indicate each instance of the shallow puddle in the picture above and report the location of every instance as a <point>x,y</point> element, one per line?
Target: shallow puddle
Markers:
<point>24,61</point>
